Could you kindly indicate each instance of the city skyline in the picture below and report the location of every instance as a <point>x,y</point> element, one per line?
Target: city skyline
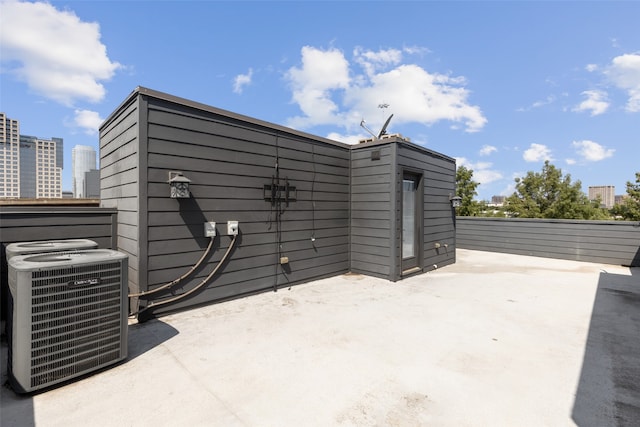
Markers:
<point>591,191</point>
<point>84,160</point>
<point>30,167</point>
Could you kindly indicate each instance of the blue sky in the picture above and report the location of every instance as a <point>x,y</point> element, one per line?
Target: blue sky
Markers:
<point>501,86</point>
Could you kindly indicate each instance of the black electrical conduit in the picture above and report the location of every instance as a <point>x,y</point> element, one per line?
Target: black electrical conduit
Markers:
<point>197,287</point>
<point>179,279</point>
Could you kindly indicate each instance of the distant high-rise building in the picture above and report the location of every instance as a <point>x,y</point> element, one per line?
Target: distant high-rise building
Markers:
<point>30,167</point>
<point>83,159</point>
<point>9,157</point>
<point>92,184</point>
<point>498,200</point>
<point>619,199</point>
<point>41,162</point>
<point>606,194</point>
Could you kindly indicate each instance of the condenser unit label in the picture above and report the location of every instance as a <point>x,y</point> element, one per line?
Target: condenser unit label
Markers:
<point>84,282</point>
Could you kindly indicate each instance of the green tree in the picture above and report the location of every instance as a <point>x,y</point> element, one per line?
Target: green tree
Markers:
<point>466,189</point>
<point>550,194</point>
<point>629,209</point>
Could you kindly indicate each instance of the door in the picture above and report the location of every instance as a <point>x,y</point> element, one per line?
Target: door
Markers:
<point>411,222</point>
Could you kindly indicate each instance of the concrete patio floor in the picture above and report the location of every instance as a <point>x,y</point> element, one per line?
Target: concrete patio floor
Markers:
<point>494,340</point>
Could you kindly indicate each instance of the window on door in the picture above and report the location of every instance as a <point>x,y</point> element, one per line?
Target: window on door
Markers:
<point>411,220</point>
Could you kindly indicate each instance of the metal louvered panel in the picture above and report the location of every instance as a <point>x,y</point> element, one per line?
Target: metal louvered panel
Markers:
<point>75,310</point>
<point>82,325</point>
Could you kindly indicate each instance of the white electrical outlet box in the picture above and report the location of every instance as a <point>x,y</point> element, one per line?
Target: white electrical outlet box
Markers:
<point>210,229</point>
<point>232,228</point>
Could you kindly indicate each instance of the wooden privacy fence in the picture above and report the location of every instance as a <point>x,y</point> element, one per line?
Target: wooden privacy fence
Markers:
<point>608,242</point>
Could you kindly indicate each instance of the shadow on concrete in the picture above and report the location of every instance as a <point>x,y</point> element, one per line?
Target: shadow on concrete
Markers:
<point>608,392</point>
<point>17,410</point>
<point>145,336</point>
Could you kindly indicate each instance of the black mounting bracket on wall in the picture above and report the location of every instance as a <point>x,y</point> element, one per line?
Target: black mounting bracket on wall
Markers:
<point>276,192</point>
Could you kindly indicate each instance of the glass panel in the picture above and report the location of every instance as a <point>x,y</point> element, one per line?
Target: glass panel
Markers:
<point>408,218</point>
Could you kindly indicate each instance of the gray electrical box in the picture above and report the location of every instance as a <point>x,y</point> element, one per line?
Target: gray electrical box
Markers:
<point>210,229</point>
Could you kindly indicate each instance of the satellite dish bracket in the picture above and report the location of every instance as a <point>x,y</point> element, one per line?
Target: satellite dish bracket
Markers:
<point>382,132</point>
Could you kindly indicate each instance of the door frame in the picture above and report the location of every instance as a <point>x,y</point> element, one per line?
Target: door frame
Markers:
<point>414,263</point>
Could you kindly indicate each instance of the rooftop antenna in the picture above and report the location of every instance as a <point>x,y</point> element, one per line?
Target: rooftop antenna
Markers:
<point>367,129</point>
<point>383,131</point>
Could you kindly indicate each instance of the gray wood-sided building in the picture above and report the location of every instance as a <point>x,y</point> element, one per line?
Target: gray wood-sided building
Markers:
<point>307,207</point>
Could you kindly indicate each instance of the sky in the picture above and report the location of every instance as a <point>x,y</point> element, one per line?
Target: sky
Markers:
<point>500,86</point>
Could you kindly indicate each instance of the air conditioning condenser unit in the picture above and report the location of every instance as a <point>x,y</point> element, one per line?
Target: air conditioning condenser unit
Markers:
<point>46,246</point>
<point>67,315</point>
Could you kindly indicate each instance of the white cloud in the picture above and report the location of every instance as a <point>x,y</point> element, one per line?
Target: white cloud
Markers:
<point>89,121</point>
<point>312,84</point>
<point>415,50</point>
<point>329,91</point>
<point>485,176</point>
<point>591,67</point>
<point>591,151</point>
<point>482,172</point>
<point>487,149</point>
<point>571,161</point>
<point>596,102</point>
<point>509,190</point>
<point>415,95</point>
<point>241,81</point>
<point>372,61</point>
<point>624,72</point>
<point>537,104</point>
<point>347,139</point>
<point>537,153</point>
<point>548,100</point>
<point>54,52</point>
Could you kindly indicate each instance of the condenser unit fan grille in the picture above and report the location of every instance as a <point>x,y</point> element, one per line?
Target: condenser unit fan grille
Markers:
<point>76,320</point>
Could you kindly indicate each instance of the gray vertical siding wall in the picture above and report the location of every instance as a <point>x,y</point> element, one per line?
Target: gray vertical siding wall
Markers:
<point>120,171</point>
<point>228,161</point>
<point>609,242</point>
<point>438,173</point>
<point>321,174</point>
<point>372,211</point>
